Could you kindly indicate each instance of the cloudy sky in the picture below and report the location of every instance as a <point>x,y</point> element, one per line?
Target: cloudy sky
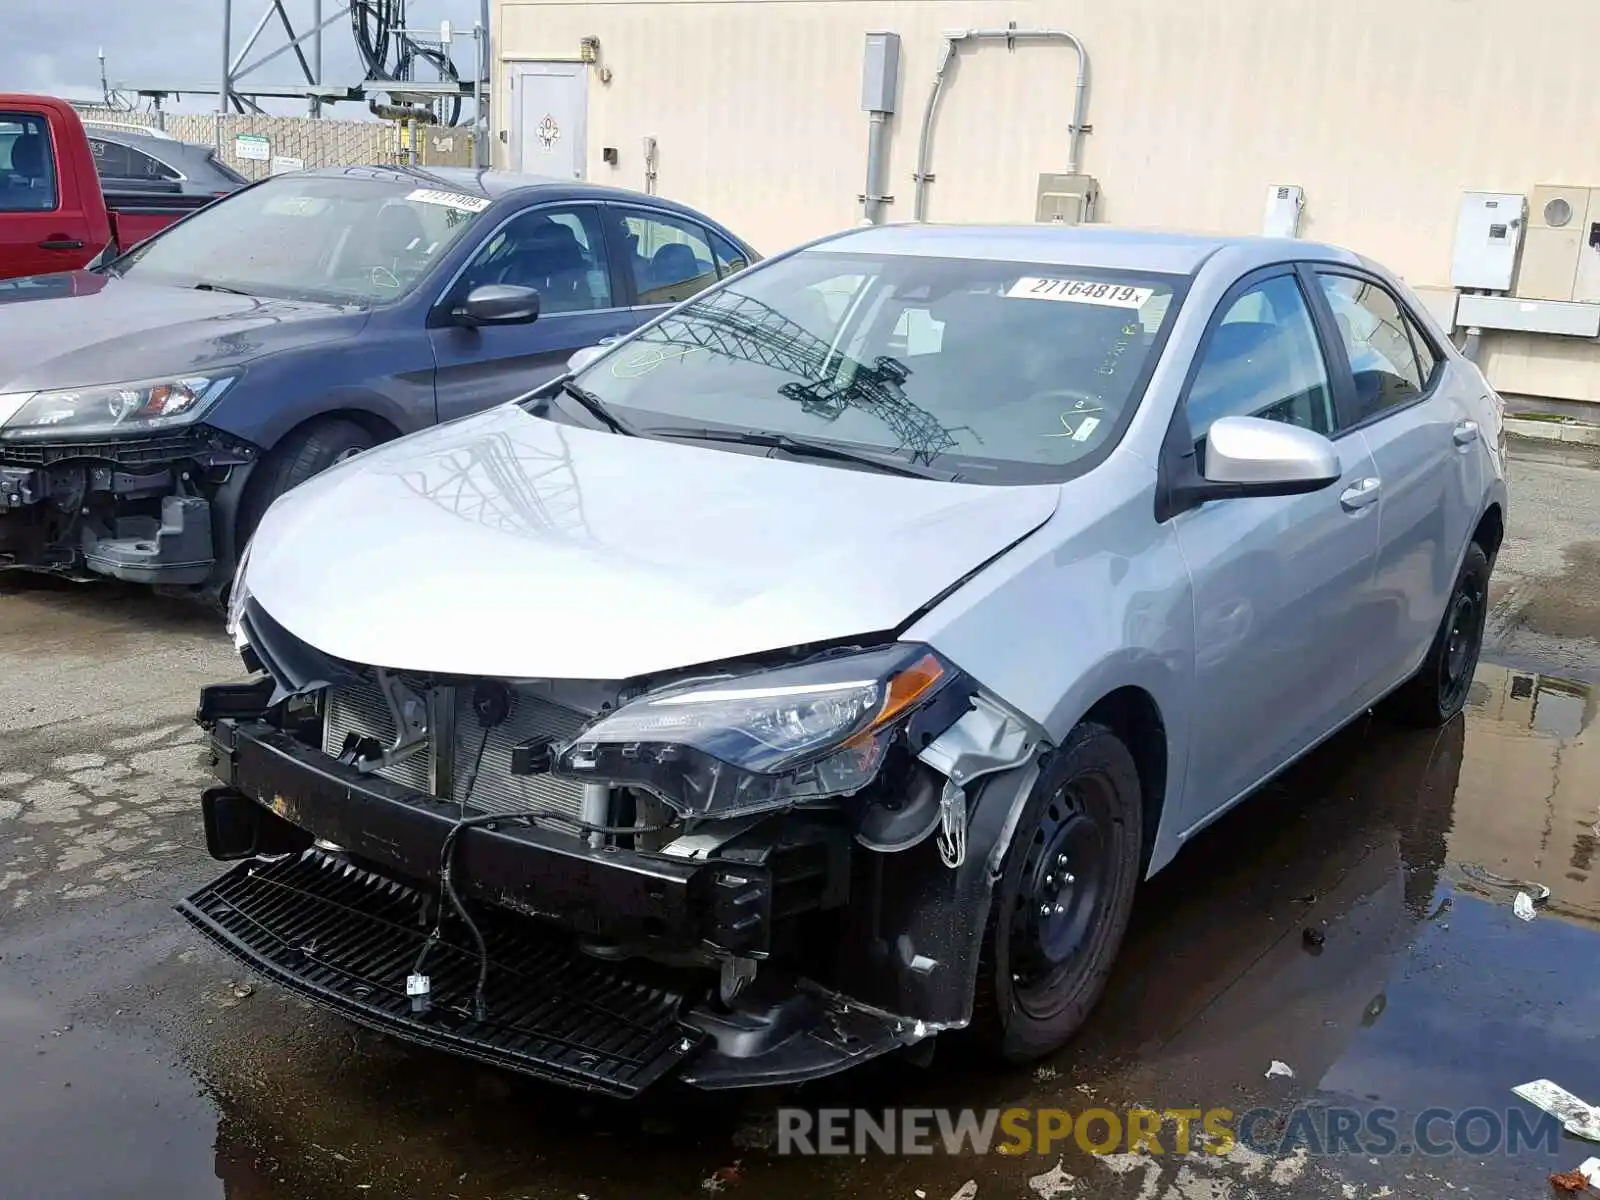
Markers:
<point>49,45</point>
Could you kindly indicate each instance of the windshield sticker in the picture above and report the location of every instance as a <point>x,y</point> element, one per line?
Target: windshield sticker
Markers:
<point>455,200</point>
<point>294,206</point>
<point>1079,291</point>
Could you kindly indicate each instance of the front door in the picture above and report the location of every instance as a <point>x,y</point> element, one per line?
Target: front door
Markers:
<point>1282,585</point>
<point>1422,440</point>
<point>549,104</point>
<point>42,227</point>
<point>559,251</point>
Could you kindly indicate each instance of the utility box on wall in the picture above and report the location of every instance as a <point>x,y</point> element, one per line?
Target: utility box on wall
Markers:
<point>1489,230</point>
<point>1562,258</point>
<point>1066,199</point>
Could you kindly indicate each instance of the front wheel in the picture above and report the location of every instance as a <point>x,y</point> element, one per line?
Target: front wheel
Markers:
<point>1438,691</point>
<point>307,451</point>
<point>1062,903</point>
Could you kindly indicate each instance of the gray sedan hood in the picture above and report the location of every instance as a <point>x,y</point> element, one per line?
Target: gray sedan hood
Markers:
<point>508,545</point>
<point>80,329</point>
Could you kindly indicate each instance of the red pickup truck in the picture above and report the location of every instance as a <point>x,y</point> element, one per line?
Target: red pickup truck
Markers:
<point>53,214</point>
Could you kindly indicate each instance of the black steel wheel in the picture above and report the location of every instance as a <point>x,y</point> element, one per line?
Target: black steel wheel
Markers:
<point>1438,691</point>
<point>1062,902</point>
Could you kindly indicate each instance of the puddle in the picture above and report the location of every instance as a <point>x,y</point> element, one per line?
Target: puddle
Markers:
<point>1424,990</point>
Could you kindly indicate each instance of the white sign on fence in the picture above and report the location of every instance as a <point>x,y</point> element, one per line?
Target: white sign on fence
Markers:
<point>282,164</point>
<point>252,147</point>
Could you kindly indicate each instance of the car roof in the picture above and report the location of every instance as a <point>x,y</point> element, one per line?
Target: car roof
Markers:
<point>1104,247</point>
<point>491,184</point>
<point>156,147</point>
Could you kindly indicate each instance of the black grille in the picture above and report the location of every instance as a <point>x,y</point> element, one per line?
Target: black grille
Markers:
<point>347,938</point>
<point>150,450</point>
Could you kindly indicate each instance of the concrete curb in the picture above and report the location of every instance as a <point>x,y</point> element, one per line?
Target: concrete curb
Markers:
<point>1571,432</point>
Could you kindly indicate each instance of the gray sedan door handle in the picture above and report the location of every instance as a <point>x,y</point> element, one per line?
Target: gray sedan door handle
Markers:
<point>1466,433</point>
<point>1360,494</point>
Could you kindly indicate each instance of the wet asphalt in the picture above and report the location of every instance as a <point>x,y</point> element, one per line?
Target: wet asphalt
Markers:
<point>136,1061</point>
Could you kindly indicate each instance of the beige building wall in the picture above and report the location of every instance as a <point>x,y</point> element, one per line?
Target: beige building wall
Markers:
<point>1384,111</point>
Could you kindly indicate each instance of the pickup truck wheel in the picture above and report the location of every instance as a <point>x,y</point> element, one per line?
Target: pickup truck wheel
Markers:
<point>1438,691</point>
<point>311,449</point>
<point>1062,902</point>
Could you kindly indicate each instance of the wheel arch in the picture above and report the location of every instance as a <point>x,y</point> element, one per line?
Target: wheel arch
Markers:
<point>1133,714</point>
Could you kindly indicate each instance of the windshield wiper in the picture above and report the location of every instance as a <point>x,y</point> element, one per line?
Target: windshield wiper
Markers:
<point>595,407</point>
<point>203,286</point>
<point>789,444</point>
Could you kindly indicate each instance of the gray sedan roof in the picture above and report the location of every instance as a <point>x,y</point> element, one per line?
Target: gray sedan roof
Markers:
<point>1097,246</point>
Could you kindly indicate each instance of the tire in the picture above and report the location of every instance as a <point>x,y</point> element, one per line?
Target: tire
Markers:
<point>307,451</point>
<point>1438,691</point>
<point>1040,975</point>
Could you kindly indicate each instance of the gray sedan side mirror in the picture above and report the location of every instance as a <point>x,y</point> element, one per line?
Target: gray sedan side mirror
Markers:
<point>1249,456</point>
<point>497,304</point>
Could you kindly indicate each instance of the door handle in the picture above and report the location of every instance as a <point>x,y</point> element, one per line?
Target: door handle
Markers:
<point>1466,433</point>
<point>60,244</point>
<point>1360,494</point>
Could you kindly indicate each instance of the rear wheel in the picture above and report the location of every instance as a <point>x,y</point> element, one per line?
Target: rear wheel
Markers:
<point>1062,903</point>
<point>1438,691</point>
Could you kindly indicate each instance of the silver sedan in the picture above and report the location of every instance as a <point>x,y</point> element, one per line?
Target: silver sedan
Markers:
<point>848,642</point>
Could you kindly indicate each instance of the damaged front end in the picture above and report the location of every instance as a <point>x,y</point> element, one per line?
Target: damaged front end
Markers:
<point>758,874</point>
<point>140,504</point>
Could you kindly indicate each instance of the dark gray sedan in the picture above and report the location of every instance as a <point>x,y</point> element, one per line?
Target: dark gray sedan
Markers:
<point>151,410</point>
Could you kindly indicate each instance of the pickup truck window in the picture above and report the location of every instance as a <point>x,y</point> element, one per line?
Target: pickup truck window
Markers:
<point>27,165</point>
<point>339,239</point>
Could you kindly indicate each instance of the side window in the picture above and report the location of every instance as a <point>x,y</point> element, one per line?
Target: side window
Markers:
<point>730,259</point>
<point>558,252</point>
<point>27,164</point>
<point>1262,360</point>
<point>670,258</point>
<point>1377,341</point>
<point>110,158</point>
<point>143,166</point>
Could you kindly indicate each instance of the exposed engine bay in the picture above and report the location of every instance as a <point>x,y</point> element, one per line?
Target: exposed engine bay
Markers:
<point>140,509</point>
<point>758,873</point>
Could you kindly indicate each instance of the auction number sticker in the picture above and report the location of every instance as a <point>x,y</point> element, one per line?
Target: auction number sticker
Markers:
<point>1080,291</point>
<point>455,200</point>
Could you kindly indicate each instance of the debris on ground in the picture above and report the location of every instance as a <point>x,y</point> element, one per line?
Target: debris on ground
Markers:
<point>1314,938</point>
<point>721,1178</point>
<point>1523,906</point>
<point>1054,1182</point>
<point>1280,1068</point>
<point>1536,893</point>
<point>1577,1116</point>
<point>1044,1074</point>
<point>1569,1181</point>
<point>967,1191</point>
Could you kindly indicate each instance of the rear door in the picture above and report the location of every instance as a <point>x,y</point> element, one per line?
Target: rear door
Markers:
<point>665,257</point>
<point>559,251</point>
<point>1282,585</point>
<point>43,227</point>
<point>1420,432</point>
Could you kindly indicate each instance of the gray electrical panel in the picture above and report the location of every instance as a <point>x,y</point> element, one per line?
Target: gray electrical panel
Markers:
<point>1066,199</point>
<point>880,73</point>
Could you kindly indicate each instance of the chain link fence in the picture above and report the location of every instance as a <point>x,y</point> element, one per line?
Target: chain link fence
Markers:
<point>259,146</point>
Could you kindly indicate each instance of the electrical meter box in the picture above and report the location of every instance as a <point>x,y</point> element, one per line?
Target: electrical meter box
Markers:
<point>1489,231</point>
<point>1282,217</point>
<point>1562,258</point>
<point>880,72</point>
<point>1066,199</point>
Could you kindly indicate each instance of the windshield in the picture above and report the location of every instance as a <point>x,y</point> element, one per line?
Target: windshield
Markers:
<point>993,371</point>
<point>344,239</point>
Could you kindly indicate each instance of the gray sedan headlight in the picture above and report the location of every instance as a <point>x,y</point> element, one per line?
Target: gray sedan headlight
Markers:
<point>115,408</point>
<point>753,742</point>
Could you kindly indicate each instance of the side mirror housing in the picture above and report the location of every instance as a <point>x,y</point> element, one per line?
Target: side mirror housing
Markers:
<point>582,358</point>
<point>497,304</point>
<point>1250,456</point>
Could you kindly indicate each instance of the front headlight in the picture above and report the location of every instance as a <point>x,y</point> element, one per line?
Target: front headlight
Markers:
<point>115,408</point>
<point>765,740</point>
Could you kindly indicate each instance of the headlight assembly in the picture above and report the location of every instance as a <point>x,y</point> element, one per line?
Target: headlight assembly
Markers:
<point>765,740</point>
<point>115,408</point>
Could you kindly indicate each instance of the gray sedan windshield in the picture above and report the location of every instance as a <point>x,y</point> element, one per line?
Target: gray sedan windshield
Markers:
<point>1000,371</point>
<point>341,239</point>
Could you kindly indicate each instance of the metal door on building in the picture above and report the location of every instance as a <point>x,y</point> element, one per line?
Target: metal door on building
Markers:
<point>549,106</point>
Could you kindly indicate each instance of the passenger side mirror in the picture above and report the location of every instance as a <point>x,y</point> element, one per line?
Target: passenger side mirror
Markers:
<point>582,358</point>
<point>1249,456</point>
<point>497,304</point>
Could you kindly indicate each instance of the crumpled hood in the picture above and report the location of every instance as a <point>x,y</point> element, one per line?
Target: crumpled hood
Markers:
<point>512,546</point>
<point>82,329</point>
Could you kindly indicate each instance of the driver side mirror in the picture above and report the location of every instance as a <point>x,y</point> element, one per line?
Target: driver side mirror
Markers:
<point>497,304</point>
<point>1250,456</point>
